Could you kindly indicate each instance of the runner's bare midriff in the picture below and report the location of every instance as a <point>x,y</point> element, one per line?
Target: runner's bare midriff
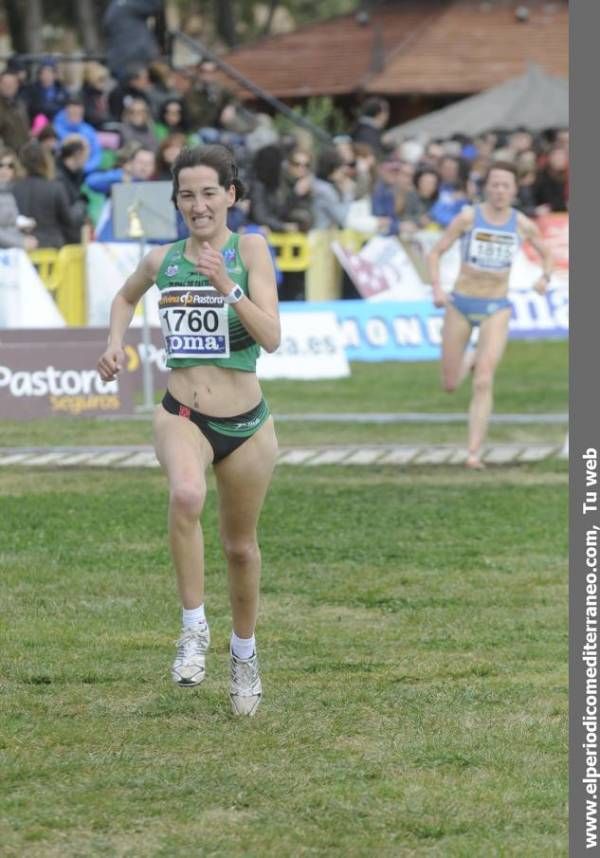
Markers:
<point>481,284</point>
<point>214,390</point>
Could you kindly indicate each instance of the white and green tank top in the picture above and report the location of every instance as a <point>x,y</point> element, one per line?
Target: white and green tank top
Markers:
<point>198,327</point>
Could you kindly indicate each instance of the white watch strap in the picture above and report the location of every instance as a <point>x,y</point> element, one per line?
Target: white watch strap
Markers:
<point>236,294</point>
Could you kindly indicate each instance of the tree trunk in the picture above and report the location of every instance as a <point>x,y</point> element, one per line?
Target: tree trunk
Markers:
<point>272,9</point>
<point>225,22</point>
<point>33,17</point>
<point>14,19</point>
<point>87,20</point>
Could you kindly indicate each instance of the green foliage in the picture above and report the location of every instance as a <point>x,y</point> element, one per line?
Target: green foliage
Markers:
<point>321,111</point>
<point>247,21</point>
<point>305,11</point>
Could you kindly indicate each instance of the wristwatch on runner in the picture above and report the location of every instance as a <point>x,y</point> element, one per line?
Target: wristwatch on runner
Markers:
<point>236,294</point>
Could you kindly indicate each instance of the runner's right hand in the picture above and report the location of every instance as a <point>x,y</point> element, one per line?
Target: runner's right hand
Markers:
<point>440,298</point>
<point>111,362</point>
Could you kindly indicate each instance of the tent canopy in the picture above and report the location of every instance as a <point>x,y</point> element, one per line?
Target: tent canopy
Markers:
<point>534,100</point>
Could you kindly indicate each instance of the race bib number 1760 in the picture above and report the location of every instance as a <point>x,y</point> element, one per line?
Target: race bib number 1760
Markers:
<point>194,323</point>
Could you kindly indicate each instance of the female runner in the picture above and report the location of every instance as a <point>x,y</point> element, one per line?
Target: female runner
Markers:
<point>491,234</point>
<point>218,306</point>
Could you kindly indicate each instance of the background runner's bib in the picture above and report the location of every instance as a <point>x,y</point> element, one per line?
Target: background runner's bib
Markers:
<point>489,247</point>
<point>492,249</point>
<point>194,322</point>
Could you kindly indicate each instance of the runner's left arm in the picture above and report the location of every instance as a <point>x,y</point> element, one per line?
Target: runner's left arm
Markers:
<point>259,312</point>
<point>530,232</point>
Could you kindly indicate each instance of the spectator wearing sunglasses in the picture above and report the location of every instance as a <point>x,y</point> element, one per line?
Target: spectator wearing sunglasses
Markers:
<point>13,226</point>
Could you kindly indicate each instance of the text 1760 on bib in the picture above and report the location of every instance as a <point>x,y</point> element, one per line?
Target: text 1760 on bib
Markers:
<point>194,323</point>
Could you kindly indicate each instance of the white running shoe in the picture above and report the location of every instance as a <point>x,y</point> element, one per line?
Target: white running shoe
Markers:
<point>245,689</point>
<point>189,665</point>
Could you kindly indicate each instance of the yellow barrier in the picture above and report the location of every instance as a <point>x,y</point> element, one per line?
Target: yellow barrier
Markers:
<point>63,273</point>
<point>291,250</point>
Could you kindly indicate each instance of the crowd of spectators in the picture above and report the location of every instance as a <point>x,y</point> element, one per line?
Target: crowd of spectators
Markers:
<point>64,147</point>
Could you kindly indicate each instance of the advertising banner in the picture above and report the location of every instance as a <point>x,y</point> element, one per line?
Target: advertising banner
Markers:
<point>51,372</point>
<point>384,269</point>
<point>312,346</point>
<point>411,330</point>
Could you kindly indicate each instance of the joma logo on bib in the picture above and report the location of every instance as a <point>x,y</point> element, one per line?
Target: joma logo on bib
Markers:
<point>193,346</point>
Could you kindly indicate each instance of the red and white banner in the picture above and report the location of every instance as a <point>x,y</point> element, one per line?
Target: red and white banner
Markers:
<point>555,232</point>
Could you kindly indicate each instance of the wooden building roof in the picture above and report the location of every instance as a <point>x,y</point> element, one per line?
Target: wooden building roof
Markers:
<point>415,47</point>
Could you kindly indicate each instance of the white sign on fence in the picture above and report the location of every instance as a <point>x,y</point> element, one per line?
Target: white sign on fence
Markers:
<point>311,347</point>
<point>24,300</point>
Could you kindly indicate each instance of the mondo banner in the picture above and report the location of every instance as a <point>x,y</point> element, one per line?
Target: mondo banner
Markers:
<point>411,330</point>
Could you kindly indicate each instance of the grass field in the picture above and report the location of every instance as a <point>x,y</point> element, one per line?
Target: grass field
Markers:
<point>413,639</point>
<point>532,379</point>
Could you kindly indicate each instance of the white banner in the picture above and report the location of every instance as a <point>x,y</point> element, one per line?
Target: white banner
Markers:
<point>383,271</point>
<point>24,300</point>
<point>108,265</point>
<point>311,347</point>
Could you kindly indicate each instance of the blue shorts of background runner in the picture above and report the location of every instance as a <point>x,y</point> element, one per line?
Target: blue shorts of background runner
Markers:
<point>477,310</point>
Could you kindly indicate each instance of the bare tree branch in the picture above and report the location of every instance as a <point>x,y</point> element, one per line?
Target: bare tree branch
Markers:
<point>33,16</point>
<point>225,22</point>
<point>272,9</point>
<point>87,20</point>
<point>14,19</point>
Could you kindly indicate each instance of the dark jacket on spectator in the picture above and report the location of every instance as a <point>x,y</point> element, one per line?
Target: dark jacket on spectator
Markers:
<point>95,102</point>
<point>46,201</point>
<point>71,182</point>
<point>267,206</point>
<point>45,100</point>
<point>299,208</point>
<point>14,123</point>
<point>127,35</point>
<point>366,132</point>
<point>551,190</point>
<point>525,201</point>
